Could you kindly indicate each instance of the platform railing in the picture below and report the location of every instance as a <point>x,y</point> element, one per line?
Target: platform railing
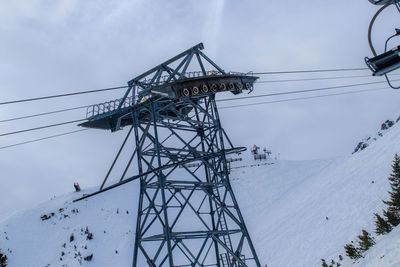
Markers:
<point>107,106</point>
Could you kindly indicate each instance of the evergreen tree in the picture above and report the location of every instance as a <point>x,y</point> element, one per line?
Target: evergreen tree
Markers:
<point>352,252</point>
<point>391,217</point>
<point>381,225</point>
<point>334,264</point>
<point>3,260</point>
<point>366,241</point>
<point>394,202</point>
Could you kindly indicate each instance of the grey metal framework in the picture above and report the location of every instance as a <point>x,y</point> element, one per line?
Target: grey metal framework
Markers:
<point>186,216</point>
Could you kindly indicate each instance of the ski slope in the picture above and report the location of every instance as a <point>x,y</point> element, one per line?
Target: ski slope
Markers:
<point>297,212</point>
<point>384,253</point>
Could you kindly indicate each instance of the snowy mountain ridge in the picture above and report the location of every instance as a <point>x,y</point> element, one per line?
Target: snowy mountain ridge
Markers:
<point>365,142</point>
<point>297,212</point>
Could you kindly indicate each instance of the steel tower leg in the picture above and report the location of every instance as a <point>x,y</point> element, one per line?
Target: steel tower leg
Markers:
<point>187,213</point>
<point>228,185</point>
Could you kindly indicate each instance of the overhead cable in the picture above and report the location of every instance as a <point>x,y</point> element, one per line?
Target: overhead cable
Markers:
<point>44,113</point>
<point>307,71</point>
<point>301,91</point>
<point>304,98</point>
<point>62,95</point>
<point>218,100</point>
<point>316,79</point>
<point>226,107</point>
<point>262,81</point>
<point>41,127</point>
<point>124,87</point>
<point>44,138</point>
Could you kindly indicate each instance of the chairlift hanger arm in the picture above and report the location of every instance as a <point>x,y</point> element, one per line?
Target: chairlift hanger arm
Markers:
<point>371,24</point>
<point>390,60</point>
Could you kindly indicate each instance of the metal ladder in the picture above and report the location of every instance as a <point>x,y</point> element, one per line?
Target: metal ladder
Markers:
<point>225,260</point>
<point>224,257</point>
<point>224,227</point>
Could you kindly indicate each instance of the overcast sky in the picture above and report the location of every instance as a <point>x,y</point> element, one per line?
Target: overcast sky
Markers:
<point>53,47</point>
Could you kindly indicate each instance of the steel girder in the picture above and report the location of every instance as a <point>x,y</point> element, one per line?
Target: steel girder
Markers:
<point>173,79</point>
<point>186,217</point>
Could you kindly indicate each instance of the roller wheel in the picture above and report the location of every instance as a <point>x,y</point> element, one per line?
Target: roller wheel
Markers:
<point>195,90</point>
<point>185,92</point>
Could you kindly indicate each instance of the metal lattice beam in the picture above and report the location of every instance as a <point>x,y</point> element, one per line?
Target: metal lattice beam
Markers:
<point>166,202</point>
<point>186,216</point>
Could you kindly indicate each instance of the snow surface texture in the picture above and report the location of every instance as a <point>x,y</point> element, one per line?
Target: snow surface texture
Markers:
<point>297,212</point>
<point>384,253</point>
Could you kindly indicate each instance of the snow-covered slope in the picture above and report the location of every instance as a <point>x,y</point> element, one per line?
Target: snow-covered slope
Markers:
<point>297,212</point>
<point>385,253</point>
<point>323,212</point>
<point>109,218</point>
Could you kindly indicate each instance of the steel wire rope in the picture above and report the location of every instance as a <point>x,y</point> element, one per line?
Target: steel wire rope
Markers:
<point>260,82</point>
<point>226,107</point>
<point>42,127</point>
<point>61,95</point>
<point>301,91</point>
<point>219,100</point>
<point>124,87</point>
<point>307,71</point>
<point>303,98</point>
<point>43,138</point>
<point>44,113</point>
<point>316,79</point>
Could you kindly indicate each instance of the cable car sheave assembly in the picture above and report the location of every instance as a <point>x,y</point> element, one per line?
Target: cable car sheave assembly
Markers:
<point>186,216</point>
<point>174,86</point>
<point>389,60</point>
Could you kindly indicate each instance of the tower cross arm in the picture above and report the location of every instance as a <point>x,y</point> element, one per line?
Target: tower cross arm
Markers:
<point>199,46</point>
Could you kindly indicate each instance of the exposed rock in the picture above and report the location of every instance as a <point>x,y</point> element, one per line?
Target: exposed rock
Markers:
<point>88,258</point>
<point>360,146</point>
<point>367,141</point>
<point>386,125</point>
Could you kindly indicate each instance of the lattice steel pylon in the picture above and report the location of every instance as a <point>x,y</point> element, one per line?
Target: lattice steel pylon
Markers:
<point>188,214</point>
